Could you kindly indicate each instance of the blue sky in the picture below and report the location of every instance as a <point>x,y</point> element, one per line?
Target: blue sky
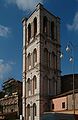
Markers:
<point>11,14</point>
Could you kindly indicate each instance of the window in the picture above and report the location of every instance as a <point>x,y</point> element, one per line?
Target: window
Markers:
<point>52,106</point>
<point>34,56</point>
<point>45,86</point>
<point>35,26</point>
<point>63,104</point>
<point>29,60</point>
<point>52,29</point>
<point>28,111</point>
<point>49,54</point>
<point>46,56</point>
<point>34,110</point>
<point>11,110</point>
<point>55,87</point>
<point>34,84</point>
<point>29,85</point>
<point>45,24</point>
<point>29,33</point>
<point>54,60</point>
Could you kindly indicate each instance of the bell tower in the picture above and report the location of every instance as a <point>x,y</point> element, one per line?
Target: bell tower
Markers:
<point>41,62</point>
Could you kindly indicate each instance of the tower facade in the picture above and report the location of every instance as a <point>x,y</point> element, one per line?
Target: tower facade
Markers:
<point>41,62</point>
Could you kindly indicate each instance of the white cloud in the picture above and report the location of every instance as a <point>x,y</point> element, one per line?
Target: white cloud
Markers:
<point>74,25</point>
<point>1,61</point>
<point>25,4</point>
<point>5,68</point>
<point>4,31</point>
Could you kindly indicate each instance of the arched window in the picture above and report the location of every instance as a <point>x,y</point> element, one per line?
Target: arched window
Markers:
<point>45,24</point>
<point>34,56</point>
<point>29,60</point>
<point>45,85</point>
<point>34,111</point>
<point>55,87</point>
<point>46,56</point>
<point>29,32</point>
<point>29,85</point>
<point>52,29</point>
<point>35,26</point>
<point>54,60</point>
<point>34,84</point>
<point>28,111</point>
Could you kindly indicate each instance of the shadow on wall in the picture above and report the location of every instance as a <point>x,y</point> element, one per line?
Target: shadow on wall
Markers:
<point>58,116</point>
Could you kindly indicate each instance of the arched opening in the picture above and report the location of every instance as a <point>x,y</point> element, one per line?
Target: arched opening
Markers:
<point>45,86</point>
<point>52,29</point>
<point>28,111</point>
<point>54,60</point>
<point>46,56</point>
<point>29,32</point>
<point>45,24</point>
<point>34,84</point>
<point>34,56</point>
<point>54,85</point>
<point>28,86</point>
<point>34,111</point>
<point>29,60</point>
<point>35,26</point>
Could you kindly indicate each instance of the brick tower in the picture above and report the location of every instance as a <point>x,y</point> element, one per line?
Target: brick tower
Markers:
<point>41,62</point>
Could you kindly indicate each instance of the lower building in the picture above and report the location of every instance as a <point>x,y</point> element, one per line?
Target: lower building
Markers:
<point>63,107</point>
<point>11,103</point>
<point>65,103</point>
<point>11,106</point>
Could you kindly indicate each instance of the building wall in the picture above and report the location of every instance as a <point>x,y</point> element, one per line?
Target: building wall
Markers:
<point>52,46</point>
<point>58,104</point>
<point>10,104</point>
<point>32,70</point>
<point>68,100</point>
